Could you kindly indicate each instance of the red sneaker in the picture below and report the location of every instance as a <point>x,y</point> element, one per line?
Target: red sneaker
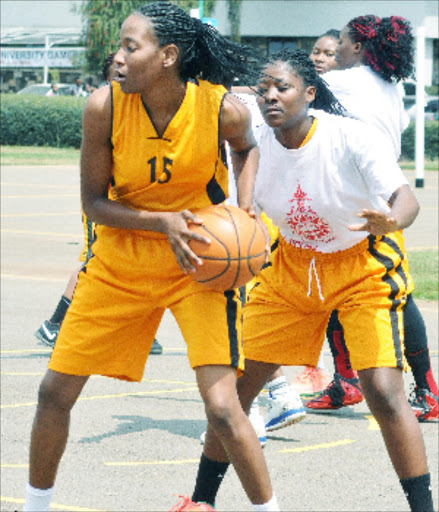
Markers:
<point>311,381</point>
<point>425,405</point>
<point>187,505</point>
<point>339,393</point>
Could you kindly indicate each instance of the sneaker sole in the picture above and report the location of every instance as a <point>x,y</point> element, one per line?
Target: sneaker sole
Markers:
<point>44,341</point>
<point>286,421</point>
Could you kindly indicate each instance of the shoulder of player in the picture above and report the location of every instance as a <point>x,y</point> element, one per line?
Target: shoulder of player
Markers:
<point>97,112</point>
<point>235,116</point>
<point>234,110</point>
<point>99,103</point>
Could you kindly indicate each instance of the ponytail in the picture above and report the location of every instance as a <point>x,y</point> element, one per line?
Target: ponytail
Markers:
<point>203,52</point>
<point>388,45</point>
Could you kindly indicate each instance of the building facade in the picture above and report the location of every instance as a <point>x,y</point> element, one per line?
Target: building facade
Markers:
<point>38,53</point>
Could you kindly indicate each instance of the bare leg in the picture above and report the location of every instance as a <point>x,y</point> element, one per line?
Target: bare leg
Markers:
<point>278,373</point>
<point>384,392</point>
<point>230,435</point>
<point>71,285</point>
<point>57,394</point>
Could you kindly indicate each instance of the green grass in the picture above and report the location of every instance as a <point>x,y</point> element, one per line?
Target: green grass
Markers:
<point>37,155</point>
<point>429,165</point>
<point>34,155</point>
<point>424,269</point>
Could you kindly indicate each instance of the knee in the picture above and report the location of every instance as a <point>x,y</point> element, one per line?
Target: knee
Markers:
<point>53,395</point>
<point>384,398</point>
<point>220,415</point>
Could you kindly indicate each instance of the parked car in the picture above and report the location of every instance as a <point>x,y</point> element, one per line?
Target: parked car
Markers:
<point>43,89</point>
<point>431,110</point>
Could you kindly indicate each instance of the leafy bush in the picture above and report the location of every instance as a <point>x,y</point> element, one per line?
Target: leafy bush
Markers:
<point>431,141</point>
<point>30,120</point>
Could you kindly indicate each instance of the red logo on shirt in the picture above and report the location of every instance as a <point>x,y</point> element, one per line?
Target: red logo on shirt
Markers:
<point>305,222</point>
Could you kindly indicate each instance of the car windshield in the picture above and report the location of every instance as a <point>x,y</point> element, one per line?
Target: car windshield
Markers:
<point>35,89</point>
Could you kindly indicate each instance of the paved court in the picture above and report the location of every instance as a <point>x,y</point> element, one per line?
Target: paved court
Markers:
<point>134,446</point>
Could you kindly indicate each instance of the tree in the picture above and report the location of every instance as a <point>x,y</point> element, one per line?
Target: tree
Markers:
<point>102,20</point>
<point>234,16</point>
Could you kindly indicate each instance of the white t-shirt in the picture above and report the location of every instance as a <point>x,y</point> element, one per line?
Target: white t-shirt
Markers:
<point>366,96</point>
<point>315,192</point>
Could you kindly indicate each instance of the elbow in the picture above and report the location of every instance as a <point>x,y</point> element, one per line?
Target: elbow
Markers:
<point>90,209</point>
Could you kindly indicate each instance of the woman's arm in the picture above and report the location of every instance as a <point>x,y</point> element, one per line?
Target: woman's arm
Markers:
<point>404,210</point>
<point>235,128</point>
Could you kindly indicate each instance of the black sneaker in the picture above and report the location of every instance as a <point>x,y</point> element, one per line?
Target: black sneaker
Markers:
<point>156,348</point>
<point>47,333</point>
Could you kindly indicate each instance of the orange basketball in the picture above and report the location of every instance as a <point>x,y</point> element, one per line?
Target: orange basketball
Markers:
<point>237,249</point>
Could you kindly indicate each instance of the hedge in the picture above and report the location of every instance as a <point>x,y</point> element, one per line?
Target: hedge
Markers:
<point>29,120</point>
<point>431,141</point>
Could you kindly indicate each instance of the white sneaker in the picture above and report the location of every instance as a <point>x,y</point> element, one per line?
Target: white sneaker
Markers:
<point>258,423</point>
<point>284,410</point>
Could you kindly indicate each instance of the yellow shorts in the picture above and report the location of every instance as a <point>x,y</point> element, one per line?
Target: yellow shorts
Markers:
<point>273,232</point>
<point>120,299</point>
<point>287,312</point>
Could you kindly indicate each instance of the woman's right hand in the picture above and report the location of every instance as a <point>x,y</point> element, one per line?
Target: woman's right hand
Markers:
<point>178,233</point>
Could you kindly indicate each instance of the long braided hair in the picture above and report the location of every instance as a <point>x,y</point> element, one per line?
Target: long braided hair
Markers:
<point>203,52</point>
<point>388,45</point>
<point>304,67</point>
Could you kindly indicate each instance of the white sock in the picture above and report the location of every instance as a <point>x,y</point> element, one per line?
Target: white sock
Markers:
<point>321,362</point>
<point>37,500</point>
<point>278,387</point>
<point>270,506</point>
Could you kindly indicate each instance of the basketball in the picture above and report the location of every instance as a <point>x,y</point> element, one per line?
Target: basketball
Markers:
<point>237,249</point>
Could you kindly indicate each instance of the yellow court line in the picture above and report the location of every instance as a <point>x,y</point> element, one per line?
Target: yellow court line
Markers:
<point>41,374</point>
<point>34,278</point>
<point>38,185</point>
<point>42,233</point>
<point>26,351</point>
<point>373,423</point>
<point>105,397</point>
<point>17,215</point>
<point>57,506</point>
<point>40,196</point>
<point>153,462</point>
<point>422,248</point>
<point>48,350</point>
<point>318,446</point>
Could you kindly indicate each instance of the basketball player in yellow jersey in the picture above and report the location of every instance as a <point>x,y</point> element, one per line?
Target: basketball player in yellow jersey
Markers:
<point>157,136</point>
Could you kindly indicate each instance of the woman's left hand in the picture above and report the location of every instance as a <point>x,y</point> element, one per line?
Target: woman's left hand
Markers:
<point>377,223</point>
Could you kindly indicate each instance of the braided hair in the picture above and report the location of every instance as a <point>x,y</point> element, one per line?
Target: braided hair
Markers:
<point>203,52</point>
<point>388,45</point>
<point>332,32</point>
<point>303,67</point>
<point>108,62</point>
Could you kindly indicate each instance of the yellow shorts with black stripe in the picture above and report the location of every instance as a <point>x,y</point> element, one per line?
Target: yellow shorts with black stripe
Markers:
<point>120,298</point>
<point>89,228</point>
<point>287,312</point>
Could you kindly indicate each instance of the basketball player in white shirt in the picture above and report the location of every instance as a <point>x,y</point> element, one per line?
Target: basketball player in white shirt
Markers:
<point>336,193</point>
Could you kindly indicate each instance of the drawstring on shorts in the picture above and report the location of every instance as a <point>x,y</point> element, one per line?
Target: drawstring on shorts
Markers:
<point>312,267</point>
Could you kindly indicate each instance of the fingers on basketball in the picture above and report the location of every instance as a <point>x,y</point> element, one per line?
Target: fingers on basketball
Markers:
<point>237,250</point>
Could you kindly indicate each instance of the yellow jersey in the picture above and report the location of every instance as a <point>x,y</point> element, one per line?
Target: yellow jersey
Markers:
<point>182,169</point>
